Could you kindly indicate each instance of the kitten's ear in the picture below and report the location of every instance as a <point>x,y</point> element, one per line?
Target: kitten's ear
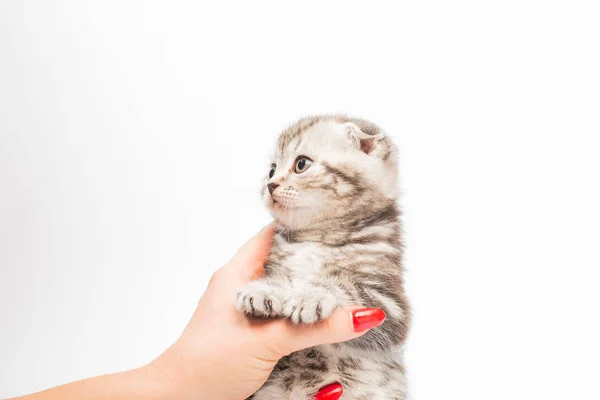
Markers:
<point>371,144</point>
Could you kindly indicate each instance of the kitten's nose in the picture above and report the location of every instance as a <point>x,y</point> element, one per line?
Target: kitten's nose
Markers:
<point>272,187</point>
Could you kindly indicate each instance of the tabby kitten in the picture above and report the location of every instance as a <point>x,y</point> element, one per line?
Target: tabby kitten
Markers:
<point>332,189</point>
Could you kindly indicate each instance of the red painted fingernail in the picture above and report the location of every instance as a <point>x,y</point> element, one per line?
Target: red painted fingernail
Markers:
<point>367,318</point>
<point>331,392</point>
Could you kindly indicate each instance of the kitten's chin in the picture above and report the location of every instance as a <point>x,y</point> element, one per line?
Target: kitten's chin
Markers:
<point>293,218</point>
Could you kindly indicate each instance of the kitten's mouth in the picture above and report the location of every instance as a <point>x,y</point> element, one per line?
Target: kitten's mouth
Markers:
<point>278,205</point>
<point>276,202</point>
<point>282,206</point>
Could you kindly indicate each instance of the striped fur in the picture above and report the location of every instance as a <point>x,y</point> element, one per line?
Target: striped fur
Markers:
<point>338,243</point>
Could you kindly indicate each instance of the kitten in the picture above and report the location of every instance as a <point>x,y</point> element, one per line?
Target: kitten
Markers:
<point>332,189</point>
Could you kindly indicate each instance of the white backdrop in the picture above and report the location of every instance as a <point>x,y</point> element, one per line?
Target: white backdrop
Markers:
<point>134,136</point>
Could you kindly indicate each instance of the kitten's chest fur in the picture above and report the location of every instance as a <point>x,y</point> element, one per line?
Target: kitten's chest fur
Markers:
<point>363,268</point>
<point>299,261</point>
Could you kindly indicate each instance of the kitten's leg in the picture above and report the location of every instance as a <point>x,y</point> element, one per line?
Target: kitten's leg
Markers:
<point>302,302</point>
<point>263,298</point>
<point>309,302</point>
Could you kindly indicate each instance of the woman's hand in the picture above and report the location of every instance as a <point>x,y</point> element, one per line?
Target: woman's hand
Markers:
<point>224,355</point>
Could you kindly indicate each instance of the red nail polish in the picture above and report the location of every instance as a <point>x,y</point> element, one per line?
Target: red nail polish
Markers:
<point>367,318</point>
<point>331,392</point>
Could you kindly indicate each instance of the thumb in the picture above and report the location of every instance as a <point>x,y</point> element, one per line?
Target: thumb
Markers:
<point>249,261</point>
<point>343,325</point>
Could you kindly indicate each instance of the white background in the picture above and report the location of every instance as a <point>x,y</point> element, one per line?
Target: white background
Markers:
<point>134,137</point>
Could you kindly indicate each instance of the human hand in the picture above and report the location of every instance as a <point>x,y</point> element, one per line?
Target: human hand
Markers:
<point>222,355</point>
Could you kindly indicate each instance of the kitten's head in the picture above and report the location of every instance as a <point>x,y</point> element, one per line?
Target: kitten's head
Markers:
<point>326,167</point>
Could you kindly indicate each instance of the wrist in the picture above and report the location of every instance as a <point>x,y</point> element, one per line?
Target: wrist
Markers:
<point>144,384</point>
<point>173,383</point>
<point>163,384</point>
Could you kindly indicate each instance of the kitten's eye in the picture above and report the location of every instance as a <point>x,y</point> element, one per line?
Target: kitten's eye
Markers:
<point>302,164</point>
<point>272,171</point>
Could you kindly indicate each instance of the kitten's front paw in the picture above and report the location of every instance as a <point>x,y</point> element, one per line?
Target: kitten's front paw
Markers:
<point>310,305</point>
<point>260,300</point>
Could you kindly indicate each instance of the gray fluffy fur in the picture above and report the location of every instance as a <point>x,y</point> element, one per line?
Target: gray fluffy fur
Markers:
<point>337,244</point>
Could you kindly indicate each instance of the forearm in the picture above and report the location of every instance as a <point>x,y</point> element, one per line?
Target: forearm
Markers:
<point>137,384</point>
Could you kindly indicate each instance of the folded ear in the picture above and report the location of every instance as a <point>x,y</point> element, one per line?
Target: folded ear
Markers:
<point>369,143</point>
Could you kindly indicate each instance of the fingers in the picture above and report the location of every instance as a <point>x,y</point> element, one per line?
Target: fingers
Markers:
<point>343,325</point>
<point>250,259</point>
<point>330,392</point>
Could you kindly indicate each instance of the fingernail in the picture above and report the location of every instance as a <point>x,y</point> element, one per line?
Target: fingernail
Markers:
<point>367,318</point>
<point>331,392</point>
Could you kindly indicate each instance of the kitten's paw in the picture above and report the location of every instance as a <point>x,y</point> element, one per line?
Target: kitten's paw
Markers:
<point>261,300</point>
<point>310,305</point>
